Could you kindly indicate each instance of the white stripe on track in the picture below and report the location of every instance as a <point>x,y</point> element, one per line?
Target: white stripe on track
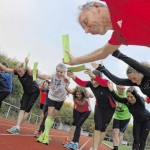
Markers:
<point>5,134</point>
<point>84,144</point>
<point>30,128</point>
<point>107,145</point>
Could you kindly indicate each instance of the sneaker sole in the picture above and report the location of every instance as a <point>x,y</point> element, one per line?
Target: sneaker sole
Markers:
<point>12,132</point>
<point>39,141</point>
<point>47,143</point>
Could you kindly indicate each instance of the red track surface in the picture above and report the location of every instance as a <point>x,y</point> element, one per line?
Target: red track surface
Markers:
<point>26,141</point>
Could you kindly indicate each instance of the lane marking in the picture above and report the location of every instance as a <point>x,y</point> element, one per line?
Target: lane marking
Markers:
<point>7,134</point>
<point>107,145</point>
<point>31,128</point>
<point>84,144</point>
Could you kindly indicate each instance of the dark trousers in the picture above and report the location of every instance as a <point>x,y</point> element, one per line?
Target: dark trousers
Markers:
<point>42,125</point>
<point>3,95</point>
<point>79,119</point>
<point>140,134</point>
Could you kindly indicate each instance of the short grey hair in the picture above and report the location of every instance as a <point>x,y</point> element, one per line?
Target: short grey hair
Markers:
<point>61,67</point>
<point>88,5</point>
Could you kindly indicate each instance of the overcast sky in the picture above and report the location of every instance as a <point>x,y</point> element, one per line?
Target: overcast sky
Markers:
<point>36,26</point>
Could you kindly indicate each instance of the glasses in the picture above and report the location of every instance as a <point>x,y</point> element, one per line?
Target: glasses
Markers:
<point>121,88</point>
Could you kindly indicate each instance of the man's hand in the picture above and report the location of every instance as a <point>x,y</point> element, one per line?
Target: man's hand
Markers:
<point>71,58</point>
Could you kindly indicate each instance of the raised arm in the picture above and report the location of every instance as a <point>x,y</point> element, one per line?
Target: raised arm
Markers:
<point>115,79</point>
<point>4,68</point>
<point>77,80</point>
<point>98,54</point>
<point>89,94</point>
<point>100,80</point>
<point>132,62</point>
<point>29,70</point>
<point>43,76</point>
<point>115,96</point>
<point>70,91</point>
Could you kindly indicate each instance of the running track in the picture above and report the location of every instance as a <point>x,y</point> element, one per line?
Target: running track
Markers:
<point>26,140</point>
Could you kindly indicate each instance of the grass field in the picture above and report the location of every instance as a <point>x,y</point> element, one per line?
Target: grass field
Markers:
<point>121,147</point>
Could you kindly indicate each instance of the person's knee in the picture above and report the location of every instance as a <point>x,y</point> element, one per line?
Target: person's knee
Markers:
<point>27,110</point>
<point>97,128</point>
<point>52,112</point>
<point>23,107</point>
<point>116,132</point>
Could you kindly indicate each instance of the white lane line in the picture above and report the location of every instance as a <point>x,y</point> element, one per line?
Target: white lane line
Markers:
<point>84,144</point>
<point>107,145</point>
<point>30,128</point>
<point>14,125</point>
<point>5,134</point>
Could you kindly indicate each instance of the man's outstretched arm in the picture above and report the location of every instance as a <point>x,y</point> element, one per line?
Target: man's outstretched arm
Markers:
<point>98,54</point>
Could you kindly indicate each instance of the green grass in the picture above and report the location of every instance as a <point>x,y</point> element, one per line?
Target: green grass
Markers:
<point>121,147</point>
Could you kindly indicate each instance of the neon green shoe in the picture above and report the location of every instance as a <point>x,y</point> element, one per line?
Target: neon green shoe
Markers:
<point>46,140</point>
<point>41,138</point>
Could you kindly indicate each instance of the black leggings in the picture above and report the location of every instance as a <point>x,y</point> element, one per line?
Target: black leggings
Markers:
<point>79,118</point>
<point>3,95</point>
<point>140,133</point>
<point>42,125</point>
<point>28,101</point>
<point>102,117</point>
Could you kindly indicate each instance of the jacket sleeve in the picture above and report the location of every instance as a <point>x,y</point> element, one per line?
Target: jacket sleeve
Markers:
<point>118,99</point>
<point>101,81</point>
<point>81,82</point>
<point>115,79</point>
<point>133,63</point>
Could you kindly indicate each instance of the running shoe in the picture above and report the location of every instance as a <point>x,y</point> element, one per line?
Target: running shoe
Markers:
<point>13,130</point>
<point>69,145</point>
<point>37,134</point>
<point>46,140</point>
<point>75,146</point>
<point>41,138</point>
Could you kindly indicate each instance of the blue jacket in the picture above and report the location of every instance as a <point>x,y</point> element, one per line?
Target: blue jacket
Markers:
<point>6,82</point>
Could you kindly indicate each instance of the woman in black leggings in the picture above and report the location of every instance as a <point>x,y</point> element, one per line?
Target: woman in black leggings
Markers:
<point>104,107</point>
<point>81,112</point>
<point>141,116</point>
<point>30,95</point>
